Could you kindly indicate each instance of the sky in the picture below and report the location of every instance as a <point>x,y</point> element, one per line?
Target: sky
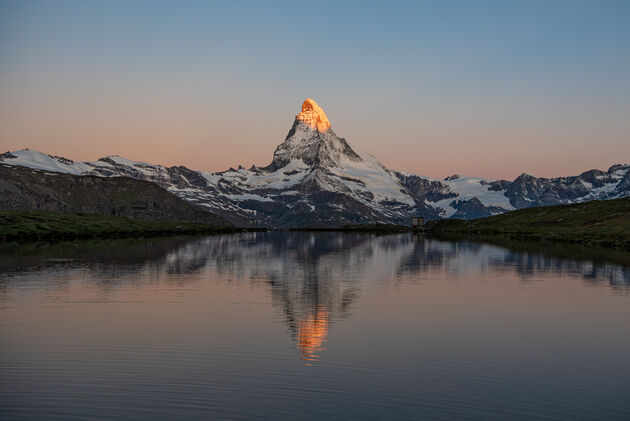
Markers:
<point>479,88</point>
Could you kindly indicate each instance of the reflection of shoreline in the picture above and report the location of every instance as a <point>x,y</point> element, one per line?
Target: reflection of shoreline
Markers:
<point>119,252</point>
<point>593,264</point>
<point>315,279</point>
<point>577,252</point>
<point>284,258</point>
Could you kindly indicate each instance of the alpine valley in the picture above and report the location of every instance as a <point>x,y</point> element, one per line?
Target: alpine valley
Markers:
<point>316,179</point>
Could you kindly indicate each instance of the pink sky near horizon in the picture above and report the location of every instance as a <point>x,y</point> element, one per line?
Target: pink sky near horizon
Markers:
<point>432,148</point>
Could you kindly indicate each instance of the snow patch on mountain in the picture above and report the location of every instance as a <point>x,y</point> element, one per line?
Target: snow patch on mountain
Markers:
<point>468,188</point>
<point>368,175</point>
<point>41,161</point>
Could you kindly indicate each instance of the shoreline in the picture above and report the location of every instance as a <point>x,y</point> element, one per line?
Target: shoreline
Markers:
<point>30,226</point>
<point>594,223</point>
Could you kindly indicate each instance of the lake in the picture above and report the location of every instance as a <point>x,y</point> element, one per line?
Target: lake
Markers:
<point>283,325</point>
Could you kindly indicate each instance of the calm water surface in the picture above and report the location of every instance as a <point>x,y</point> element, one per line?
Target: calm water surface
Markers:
<point>311,326</point>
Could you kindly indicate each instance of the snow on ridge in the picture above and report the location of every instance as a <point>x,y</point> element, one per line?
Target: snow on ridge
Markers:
<point>41,161</point>
<point>128,162</point>
<point>248,196</point>
<point>372,177</point>
<point>211,177</point>
<point>470,187</point>
<point>288,176</point>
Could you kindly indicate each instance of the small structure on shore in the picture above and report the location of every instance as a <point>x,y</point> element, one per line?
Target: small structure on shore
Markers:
<point>417,222</point>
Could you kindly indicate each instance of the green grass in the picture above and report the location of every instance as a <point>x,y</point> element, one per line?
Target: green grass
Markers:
<point>602,223</point>
<point>29,225</point>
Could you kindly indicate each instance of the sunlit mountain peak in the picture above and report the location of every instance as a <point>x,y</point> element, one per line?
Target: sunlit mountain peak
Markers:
<point>313,115</point>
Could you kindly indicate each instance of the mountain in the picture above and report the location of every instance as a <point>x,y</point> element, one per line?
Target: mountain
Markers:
<point>31,189</point>
<point>596,222</point>
<point>318,179</point>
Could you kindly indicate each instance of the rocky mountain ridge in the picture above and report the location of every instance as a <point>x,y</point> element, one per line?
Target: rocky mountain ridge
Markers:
<point>23,188</point>
<point>318,179</point>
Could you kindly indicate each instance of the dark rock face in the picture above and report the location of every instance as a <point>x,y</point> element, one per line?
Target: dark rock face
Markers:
<point>422,189</point>
<point>529,191</point>
<point>335,209</point>
<point>27,189</point>
<point>525,190</point>
<point>618,167</point>
<point>473,208</point>
<point>623,187</point>
<point>596,178</point>
<point>7,155</point>
<point>499,185</point>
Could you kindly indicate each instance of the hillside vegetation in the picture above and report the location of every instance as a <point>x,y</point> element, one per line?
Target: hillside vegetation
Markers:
<point>29,225</point>
<point>604,223</point>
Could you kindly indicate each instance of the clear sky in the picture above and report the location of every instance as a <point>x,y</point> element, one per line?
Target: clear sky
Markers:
<point>485,88</point>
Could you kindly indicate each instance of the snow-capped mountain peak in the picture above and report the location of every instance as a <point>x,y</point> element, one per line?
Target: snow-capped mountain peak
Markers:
<point>313,116</point>
<point>312,140</point>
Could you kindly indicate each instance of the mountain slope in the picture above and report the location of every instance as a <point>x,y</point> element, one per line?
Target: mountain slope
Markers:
<point>318,179</point>
<point>594,222</point>
<point>29,189</point>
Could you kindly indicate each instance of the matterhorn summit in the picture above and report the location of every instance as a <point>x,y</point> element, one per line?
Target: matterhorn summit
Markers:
<point>313,116</point>
<point>312,141</point>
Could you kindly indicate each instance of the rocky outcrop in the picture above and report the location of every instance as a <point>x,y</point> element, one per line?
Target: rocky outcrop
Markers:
<point>473,208</point>
<point>623,187</point>
<point>424,189</point>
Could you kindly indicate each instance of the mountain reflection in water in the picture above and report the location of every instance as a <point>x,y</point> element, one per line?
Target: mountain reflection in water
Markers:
<point>286,325</point>
<point>314,278</point>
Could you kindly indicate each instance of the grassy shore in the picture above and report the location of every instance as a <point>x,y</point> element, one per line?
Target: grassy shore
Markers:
<point>600,223</point>
<point>45,225</point>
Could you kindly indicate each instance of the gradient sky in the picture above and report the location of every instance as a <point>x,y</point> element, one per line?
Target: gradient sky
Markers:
<point>480,88</point>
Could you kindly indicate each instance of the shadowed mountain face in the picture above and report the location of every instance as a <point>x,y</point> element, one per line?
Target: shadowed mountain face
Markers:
<point>318,179</point>
<point>28,189</point>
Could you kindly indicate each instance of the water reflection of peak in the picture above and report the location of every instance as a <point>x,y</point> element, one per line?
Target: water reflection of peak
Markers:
<point>317,261</point>
<point>311,259</point>
<point>311,334</point>
<point>315,279</point>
